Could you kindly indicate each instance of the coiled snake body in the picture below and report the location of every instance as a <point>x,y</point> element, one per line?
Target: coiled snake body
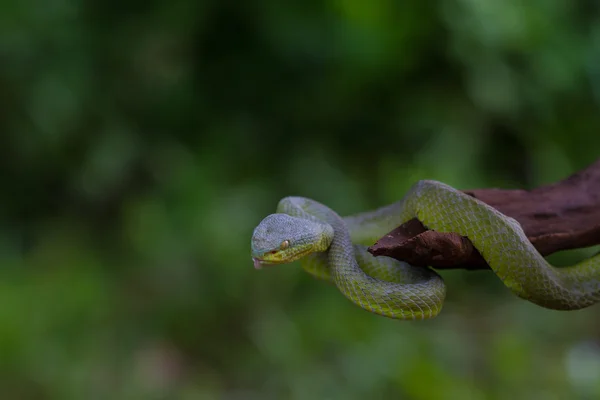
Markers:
<point>334,248</point>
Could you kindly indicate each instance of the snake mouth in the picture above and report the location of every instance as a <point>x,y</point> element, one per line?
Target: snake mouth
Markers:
<point>274,257</point>
<point>259,263</point>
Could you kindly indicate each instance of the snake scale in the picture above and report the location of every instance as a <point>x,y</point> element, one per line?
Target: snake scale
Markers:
<point>333,248</point>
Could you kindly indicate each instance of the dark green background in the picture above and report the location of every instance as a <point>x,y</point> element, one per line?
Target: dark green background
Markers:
<point>142,141</point>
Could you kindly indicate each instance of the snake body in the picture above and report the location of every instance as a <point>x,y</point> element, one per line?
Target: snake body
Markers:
<point>334,249</point>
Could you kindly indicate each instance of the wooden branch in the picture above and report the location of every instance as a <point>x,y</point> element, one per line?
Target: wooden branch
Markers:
<point>564,215</point>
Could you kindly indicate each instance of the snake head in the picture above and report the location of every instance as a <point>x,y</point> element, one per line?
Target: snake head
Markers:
<point>282,239</point>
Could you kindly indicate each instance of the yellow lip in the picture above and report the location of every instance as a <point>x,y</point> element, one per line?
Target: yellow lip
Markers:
<point>276,259</point>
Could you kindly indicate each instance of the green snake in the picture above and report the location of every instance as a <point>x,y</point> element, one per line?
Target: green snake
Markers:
<point>334,249</point>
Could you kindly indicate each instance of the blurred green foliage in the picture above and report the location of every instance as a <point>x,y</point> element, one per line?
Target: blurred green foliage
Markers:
<point>142,142</point>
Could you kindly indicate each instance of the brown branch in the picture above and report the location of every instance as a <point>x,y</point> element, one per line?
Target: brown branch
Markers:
<point>564,215</point>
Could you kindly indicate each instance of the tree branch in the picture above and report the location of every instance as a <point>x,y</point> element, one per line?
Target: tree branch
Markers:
<point>564,215</point>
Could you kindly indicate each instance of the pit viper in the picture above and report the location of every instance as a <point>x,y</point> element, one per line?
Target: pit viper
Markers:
<point>333,248</point>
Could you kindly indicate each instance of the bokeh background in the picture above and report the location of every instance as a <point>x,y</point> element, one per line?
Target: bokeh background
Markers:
<point>142,141</point>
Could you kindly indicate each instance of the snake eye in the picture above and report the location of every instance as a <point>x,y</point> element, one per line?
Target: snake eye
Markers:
<point>284,245</point>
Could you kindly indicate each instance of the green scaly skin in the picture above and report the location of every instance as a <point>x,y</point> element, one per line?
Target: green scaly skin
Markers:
<point>333,248</point>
